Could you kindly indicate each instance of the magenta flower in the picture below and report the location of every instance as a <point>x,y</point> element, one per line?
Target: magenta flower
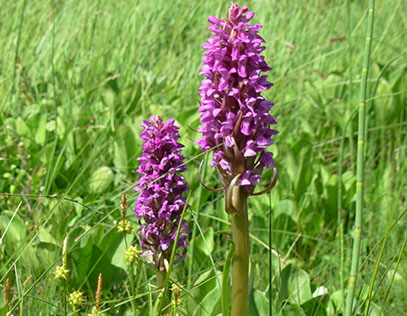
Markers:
<point>161,201</point>
<point>235,117</point>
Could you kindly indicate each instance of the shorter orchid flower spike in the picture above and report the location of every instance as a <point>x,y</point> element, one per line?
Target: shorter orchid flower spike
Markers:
<point>161,201</point>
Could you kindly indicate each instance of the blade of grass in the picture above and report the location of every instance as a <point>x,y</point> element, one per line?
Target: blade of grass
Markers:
<point>225,283</point>
<point>174,249</point>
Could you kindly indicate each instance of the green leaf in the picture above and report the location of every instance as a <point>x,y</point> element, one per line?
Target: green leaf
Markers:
<point>311,223</point>
<point>210,304</point>
<point>205,283</point>
<point>295,285</point>
<point>118,256</point>
<point>315,306</point>
<point>261,302</point>
<point>292,310</point>
<point>124,156</point>
<point>45,237</point>
<point>206,244</point>
<point>225,283</point>
<point>285,207</point>
<point>101,179</point>
<point>15,227</point>
<point>286,227</point>
<point>335,304</point>
<point>22,128</point>
<point>41,133</point>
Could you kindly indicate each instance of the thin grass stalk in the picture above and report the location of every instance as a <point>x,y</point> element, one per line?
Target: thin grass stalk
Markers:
<point>130,271</point>
<point>359,164</point>
<point>174,249</point>
<point>350,74</point>
<point>194,232</point>
<point>394,274</point>
<point>64,298</point>
<point>340,227</point>
<point>352,150</point>
<point>379,258</point>
<point>225,282</point>
<point>20,28</point>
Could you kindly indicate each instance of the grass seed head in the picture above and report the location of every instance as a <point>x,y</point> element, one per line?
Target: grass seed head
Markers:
<point>76,298</point>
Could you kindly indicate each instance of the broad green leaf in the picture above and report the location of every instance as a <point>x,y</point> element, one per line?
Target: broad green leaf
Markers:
<point>292,310</point>
<point>205,283</point>
<point>22,128</point>
<point>16,228</point>
<point>118,256</point>
<point>45,237</point>
<point>311,223</point>
<point>285,207</point>
<point>315,306</point>
<point>295,285</point>
<point>335,304</point>
<point>124,156</point>
<point>262,302</point>
<point>100,179</point>
<point>206,244</point>
<point>210,304</point>
<point>41,133</point>
<point>285,228</point>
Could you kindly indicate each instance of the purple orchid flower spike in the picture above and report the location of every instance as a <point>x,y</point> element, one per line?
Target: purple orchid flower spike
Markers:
<point>235,117</point>
<point>237,127</point>
<point>161,202</point>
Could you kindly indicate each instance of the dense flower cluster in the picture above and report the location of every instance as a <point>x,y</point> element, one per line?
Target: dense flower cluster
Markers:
<point>161,201</point>
<point>235,117</point>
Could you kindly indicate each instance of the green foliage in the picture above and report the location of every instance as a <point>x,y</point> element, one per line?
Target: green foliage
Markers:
<point>87,74</point>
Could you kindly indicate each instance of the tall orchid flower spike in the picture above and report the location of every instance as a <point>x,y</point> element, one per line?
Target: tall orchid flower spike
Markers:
<point>161,202</point>
<point>236,125</point>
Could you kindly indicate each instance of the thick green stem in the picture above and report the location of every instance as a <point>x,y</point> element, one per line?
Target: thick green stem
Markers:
<point>240,259</point>
<point>359,165</point>
<point>160,278</point>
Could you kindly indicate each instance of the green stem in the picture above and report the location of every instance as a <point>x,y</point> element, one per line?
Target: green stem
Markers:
<point>240,259</point>
<point>340,223</point>
<point>359,165</point>
<point>64,298</point>
<point>161,276</point>
<point>350,87</point>
<point>133,293</point>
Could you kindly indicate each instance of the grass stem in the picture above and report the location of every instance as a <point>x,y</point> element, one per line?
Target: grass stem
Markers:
<point>360,164</point>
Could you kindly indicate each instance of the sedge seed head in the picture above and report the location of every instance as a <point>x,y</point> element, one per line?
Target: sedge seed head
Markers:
<point>61,272</point>
<point>76,298</point>
<point>124,226</point>
<point>131,254</point>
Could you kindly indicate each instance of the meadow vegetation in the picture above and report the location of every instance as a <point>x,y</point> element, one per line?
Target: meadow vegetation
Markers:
<point>78,77</point>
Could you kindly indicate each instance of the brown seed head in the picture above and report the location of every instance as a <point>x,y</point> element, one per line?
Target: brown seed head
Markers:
<point>124,204</point>
<point>64,251</point>
<point>99,291</point>
<point>7,293</point>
